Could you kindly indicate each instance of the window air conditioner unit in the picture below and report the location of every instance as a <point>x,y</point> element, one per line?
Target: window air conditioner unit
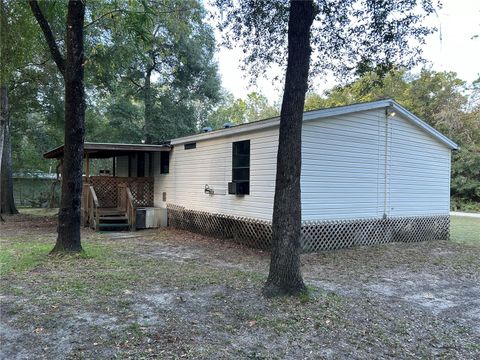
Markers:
<point>238,188</point>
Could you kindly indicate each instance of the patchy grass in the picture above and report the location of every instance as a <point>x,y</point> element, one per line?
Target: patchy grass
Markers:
<point>22,253</point>
<point>19,256</point>
<point>39,211</point>
<point>172,294</point>
<point>465,230</point>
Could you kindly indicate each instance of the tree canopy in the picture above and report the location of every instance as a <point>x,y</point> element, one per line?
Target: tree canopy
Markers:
<point>348,37</point>
<point>157,63</point>
<point>239,111</point>
<point>121,40</point>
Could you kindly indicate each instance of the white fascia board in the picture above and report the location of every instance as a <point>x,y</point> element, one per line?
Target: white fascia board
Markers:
<point>235,130</point>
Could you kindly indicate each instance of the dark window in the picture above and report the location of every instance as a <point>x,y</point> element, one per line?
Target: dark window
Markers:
<point>164,162</point>
<point>190,146</point>
<point>141,165</point>
<point>241,164</point>
<point>150,164</point>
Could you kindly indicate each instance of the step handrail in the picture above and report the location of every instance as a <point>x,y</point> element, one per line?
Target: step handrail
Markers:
<point>93,205</point>
<point>126,203</point>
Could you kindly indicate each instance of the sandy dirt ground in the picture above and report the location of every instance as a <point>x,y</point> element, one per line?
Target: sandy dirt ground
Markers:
<point>168,294</point>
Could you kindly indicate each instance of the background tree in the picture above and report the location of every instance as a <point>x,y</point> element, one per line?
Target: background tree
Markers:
<point>239,111</point>
<point>16,48</point>
<point>72,69</point>
<point>161,59</point>
<point>115,108</point>
<point>347,37</point>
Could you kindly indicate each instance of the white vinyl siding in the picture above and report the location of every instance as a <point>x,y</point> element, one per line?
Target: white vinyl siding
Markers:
<point>344,162</point>
<point>419,182</point>
<point>343,166</point>
<point>211,163</point>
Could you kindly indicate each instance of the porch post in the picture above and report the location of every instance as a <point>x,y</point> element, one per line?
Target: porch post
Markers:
<point>114,166</point>
<point>87,170</point>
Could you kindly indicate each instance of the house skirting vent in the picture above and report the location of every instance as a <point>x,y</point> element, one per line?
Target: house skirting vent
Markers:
<point>316,235</point>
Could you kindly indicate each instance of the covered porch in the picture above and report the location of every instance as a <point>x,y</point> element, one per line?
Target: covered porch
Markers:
<point>121,183</point>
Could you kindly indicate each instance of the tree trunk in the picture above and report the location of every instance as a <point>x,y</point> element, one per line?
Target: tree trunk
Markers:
<point>147,98</point>
<point>69,216</point>
<point>2,132</point>
<point>285,277</point>
<point>6,180</point>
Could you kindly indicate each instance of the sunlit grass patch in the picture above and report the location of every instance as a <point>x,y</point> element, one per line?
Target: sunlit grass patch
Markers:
<point>39,211</point>
<point>465,230</point>
<point>23,253</point>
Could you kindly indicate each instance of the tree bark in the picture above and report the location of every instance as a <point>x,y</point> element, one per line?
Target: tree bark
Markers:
<point>3,122</point>
<point>285,277</point>
<point>2,132</point>
<point>147,98</point>
<point>6,181</point>
<point>69,216</point>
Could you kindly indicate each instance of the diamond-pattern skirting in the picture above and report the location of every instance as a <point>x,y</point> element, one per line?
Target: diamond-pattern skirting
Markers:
<point>316,235</point>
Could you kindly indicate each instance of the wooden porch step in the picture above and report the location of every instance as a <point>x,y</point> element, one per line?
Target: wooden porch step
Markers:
<point>113,218</point>
<point>113,226</point>
<point>110,212</point>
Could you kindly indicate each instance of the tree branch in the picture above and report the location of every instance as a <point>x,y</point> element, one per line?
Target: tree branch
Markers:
<point>135,83</point>
<point>125,11</point>
<point>103,16</point>
<point>47,32</point>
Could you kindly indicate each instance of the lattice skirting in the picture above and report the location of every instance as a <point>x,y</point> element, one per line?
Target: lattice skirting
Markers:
<point>316,235</point>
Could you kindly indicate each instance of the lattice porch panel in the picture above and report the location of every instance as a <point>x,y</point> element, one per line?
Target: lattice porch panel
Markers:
<point>316,235</point>
<point>252,232</point>
<point>106,188</point>
<point>142,191</point>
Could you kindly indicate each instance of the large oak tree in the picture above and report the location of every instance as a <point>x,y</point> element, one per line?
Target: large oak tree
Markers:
<point>346,37</point>
<point>71,67</point>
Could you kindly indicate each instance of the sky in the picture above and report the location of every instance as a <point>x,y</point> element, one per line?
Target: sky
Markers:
<point>450,49</point>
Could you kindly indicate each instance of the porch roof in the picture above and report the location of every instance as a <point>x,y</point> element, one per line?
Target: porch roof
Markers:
<point>107,150</point>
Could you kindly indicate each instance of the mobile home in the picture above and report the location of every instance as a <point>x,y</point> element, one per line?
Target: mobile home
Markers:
<point>371,173</point>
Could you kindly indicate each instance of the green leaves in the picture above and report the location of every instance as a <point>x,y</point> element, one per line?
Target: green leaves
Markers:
<point>161,59</point>
<point>239,111</point>
<point>348,37</point>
